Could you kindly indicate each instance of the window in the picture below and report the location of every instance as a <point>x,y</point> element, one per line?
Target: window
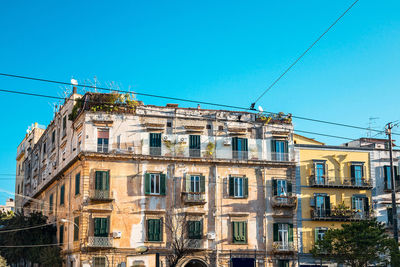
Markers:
<point>319,233</point>
<point>62,194</point>
<point>53,137</point>
<point>102,140</point>
<point>220,128</point>
<point>51,203</point>
<point>283,233</point>
<point>169,124</point>
<point>320,173</point>
<point>238,187</point>
<point>239,232</point>
<point>388,175</point>
<point>322,205</point>
<point>360,204</point>
<point>102,184</point>
<point>208,127</point>
<point>279,150</point>
<point>154,230</point>
<point>282,187</point>
<point>357,174</point>
<point>44,149</point>
<point>155,184</point>
<point>61,234</point>
<point>64,126</point>
<point>99,262</point>
<point>239,148</point>
<point>155,144</point>
<point>101,227</point>
<point>195,229</point>
<point>76,228</point>
<point>77,183</point>
<point>194,145</point>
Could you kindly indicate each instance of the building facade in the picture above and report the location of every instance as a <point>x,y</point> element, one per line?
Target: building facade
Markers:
<point>381,177</point>
<point>23,153</point>
<point>9,206</point>
<point>116,175</point>
<point>334,187</point>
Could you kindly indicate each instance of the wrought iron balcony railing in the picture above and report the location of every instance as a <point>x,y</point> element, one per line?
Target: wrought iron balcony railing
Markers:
<point>240,155</point>
<point>155,151</point>
<point>283,246</point>
<point>339,182</point>
<point>284,201</point>
<point>97,194</point>
<point>339,215</point>
<point>193,198</point>
<point>100,241</point>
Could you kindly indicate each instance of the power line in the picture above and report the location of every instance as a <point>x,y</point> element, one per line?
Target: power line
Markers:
<point>215,104</point>
<point>305,52</point>
<point>22,229</point>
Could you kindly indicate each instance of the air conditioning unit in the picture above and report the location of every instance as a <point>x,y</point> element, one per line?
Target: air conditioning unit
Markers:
<point>166,138</point>
<point>131,149</point>
<point>183,139</point>
<point>116,234</point>
<point>227,141</point>
<point>211,235</point>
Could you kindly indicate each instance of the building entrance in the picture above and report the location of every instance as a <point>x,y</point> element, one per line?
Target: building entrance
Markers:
<point>195,263</point>
<point>243,262</point>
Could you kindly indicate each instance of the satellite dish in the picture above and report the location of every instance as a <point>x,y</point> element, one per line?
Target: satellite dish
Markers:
<point>74,82</point>
<point>260,109</point>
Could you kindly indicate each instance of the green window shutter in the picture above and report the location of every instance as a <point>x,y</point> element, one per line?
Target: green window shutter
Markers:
<point>51,203</point>
<point>98,181</point>
<point>147,183</point>
<point>61,234</point>
<point>155,139</point>
<point>103,227</point>
<point>328,205</point>
<point>245,147</point>
<point>366,204</point>
<point>194,142</point>
<point>352,171</point>
<point>234,232</point>
<point>387,175</point>
<point>396,174</point>
<point>289,187</point>
<point>106,180</point>
<point>157,230</point>
<point>276,235</point>
<point>188,179</point>
<point>353,202</point>
<point>62,194</point>
<point>245,232</point>
<point>150,230</point>
<point>290,232</point>
<point>76,228</point>
<point>246,187</point>
<point>231,186</point>
<point>97,226</point>
<point>202,183</point>
<point>162,184</point>
<point>190,226</point>
<point>286,146</point>
<point>273,146</point>
<point>234,143</point>
<point>77,183</point>
<point>201,228</point>
<point>316,230</point>
<point>275,187</point>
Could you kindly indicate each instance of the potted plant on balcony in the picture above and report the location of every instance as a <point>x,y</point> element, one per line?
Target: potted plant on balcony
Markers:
<point>210,149</point>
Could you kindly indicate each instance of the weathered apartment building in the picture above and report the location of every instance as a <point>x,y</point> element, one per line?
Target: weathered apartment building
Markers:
<point>112,172</point>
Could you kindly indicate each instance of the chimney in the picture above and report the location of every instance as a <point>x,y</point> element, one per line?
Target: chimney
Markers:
<point>74,90</point>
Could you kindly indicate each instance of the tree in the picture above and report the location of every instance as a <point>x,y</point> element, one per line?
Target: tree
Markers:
<point>357,244</point>
<point>3,262</point>
<point>24,245</point>
<point>176,226</point>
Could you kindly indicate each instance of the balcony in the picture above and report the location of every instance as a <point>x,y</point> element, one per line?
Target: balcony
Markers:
<point>192,198</point>
<point>195,244</point>
<point>279,156</point>
<point>155,151</point>
<point>332,182</point>
<point>100,242</point>
<point>194,153</point>
<point>100,195</point>
<point>284,201</point>
<point>240,155</point>
<point>283,247</point>
<point>339,215</point>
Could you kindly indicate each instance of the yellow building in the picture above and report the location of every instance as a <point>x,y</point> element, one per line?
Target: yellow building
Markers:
<point>334,187</point>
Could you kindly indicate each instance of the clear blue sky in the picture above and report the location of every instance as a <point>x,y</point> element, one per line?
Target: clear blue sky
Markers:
<point>217,51</point>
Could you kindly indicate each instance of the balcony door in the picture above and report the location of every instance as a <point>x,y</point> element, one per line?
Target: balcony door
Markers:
<point>281,187</point>
<point>283,235</point>
<point>239,148</point>
<point>280,150</point>
<point>360,205</point>
<point>320,173</point>
<point>357,174</point>
<point>322,205</point>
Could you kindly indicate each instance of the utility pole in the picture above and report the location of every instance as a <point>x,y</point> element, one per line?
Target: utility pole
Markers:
<point>389,127</point>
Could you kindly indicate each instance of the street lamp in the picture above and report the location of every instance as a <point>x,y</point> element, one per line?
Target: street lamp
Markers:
<point>66,221</point>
